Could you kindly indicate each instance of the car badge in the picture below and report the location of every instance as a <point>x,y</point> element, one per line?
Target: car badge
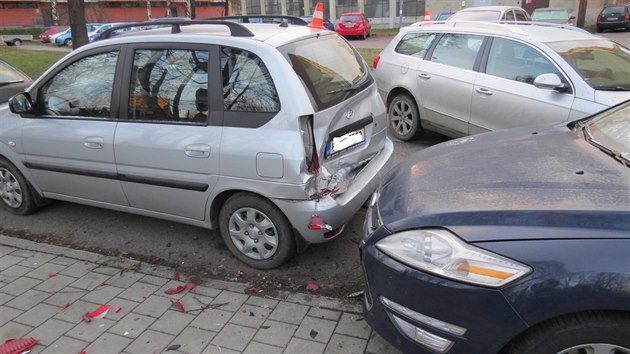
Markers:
<point>349,115</point>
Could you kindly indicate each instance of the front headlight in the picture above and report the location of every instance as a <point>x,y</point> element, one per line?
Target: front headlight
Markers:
<point>442,253</point>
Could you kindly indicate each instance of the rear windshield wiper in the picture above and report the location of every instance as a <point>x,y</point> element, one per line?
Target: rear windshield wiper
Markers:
<point>10,82</point>
<point>612,88</point>
<point>346,89</point>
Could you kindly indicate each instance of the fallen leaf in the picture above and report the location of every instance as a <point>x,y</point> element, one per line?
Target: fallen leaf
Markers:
<point>176,290</point>
<point>312,285</point>
<point>313,333</point>
<point>251,314</point>
<point>173,347</point>
<point>265,327</point>
<point>179,305</point>
<point>266,307</point>
<point>136,318</point>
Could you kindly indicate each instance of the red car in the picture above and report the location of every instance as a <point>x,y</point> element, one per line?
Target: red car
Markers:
<point>354,24</point>
<point>50,31</point>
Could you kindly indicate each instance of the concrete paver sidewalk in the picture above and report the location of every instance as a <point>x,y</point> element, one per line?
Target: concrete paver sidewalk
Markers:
<point>46,290</point>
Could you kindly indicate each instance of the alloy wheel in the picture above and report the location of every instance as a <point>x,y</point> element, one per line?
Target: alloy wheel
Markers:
<point>596,348</point>
<point>402,117</point>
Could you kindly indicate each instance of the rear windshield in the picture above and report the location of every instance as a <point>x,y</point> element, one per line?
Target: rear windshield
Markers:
<point>602,63</point>
<point>476,16</point>
<point>550,15</point>
<point>330,68</point>
<point>613,10</point>
<point>350,18</point>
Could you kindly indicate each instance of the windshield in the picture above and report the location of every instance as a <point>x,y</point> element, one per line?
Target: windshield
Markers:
<point>330,68</point>
<point>602,63</point>
<point>613,10</point>
<point>8,74</point>
<point>611,129</point>
<point>476,16</point>
<point>550,15</point>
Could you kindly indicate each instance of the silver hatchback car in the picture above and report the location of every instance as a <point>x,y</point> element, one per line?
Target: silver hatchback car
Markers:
<point>464,78</point>
<point>273,134</point>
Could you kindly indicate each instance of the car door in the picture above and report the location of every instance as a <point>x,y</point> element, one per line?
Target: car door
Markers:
<point>505,96</point>
<point>68,145</point>
<point>446,80</point>
<point>167,144</point>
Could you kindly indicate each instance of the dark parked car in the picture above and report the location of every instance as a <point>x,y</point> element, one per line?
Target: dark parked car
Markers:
<point>515,241</point>
<point>329,25</point>
<point>614,17</point>
<point>12,81</point>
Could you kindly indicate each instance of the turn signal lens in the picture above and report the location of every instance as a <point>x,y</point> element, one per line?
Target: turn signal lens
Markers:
<point>441,252</point>
<point>376,60</point>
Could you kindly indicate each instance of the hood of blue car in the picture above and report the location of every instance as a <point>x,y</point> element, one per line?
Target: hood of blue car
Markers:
<point>524,177</point>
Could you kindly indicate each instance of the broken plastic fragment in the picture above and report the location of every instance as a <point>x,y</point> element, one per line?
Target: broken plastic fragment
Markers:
<point>177,276</point>
<point>97,314</point>
<point>176,290</point>
<point>253,290</point>
<point>173,347</point>
<point>104,284</point>
<point>52,275</point>
<point>117,310</point>
<point>355,294</point>
<point>312,285</point>
<point>15,346</point>
<point>355,241</point>
<point>318,223</point>
<point>191,285</point>
<point>179,305</point>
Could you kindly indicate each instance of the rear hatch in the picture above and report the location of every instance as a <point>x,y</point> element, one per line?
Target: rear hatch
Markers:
<point>613,14</point>
<point>348,126</point>
<point>349,21</point>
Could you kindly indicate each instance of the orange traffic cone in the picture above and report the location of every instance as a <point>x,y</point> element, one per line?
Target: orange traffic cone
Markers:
<point>318,17</point>
<point>427,18</point>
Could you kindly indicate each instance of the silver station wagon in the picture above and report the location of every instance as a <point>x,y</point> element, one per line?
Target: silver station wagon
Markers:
<point>273,134</point>
<point>464,78</point>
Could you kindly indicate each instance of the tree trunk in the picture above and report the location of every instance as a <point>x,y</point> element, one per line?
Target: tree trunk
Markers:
<point>76,10</point>
<point>53,10</point>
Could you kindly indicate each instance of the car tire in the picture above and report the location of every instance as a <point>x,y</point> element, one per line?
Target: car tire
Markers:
<point>584,332</point>
<point>404,118</point>
<point>16,194</point>
<point>68,42</point>
<point>266,223</point>
<point>599,29</point>
<point>17,42</point>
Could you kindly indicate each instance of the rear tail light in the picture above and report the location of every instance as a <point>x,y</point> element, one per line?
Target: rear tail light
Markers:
<point>599,18</point>
<point>626,17</point>
<point>308,140</point>
<point>376,60</point>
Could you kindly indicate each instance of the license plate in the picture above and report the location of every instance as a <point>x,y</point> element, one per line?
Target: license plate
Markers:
<point>612,18</point>
<point>350,25</point>
<point>345,142</point>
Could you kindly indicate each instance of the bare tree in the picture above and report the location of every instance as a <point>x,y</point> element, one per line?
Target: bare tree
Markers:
<point>76,10</point>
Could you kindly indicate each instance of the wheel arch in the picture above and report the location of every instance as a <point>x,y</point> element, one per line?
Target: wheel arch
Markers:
<point>10,156</point>
<point>398,91</point>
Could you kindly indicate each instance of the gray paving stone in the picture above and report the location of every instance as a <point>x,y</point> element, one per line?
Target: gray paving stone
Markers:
<point>153,280</point>
<point>106,270</point>
<point>212,319</point>
<point>4,298</point>
<point>74,313</point>
<point>37,315</point>
<point>193,340</point>
<point>65,296</point>
<point>38,348</point>
<point>90,281</point>
<point>154,306</point>
<point>150,342</point>
<point>275,333</point>
<point>24,253</point>
<point>205,291</point>
<point>7,314</point>
<point>108,343</point>
<point>138,292</point>
<point>316,329</point>
<point>14,272</point>
<point>234,337</point>
<point>234,300</point>
<point>27,300</point>
<point>125,279</point>
<point>45,271</point>
<point>258,348</point>
<point>353,325</point>
<point>64,261</point>
<point>36,260</point>
<point>65,345</point>
<point>217,349</point>
<point>195,303</point>
<point>289,313</point>
<point>8,260</point>
<point>340,344</point>
<point>132,325</point>
<point>297,345</point>
<point>50,331</point>
<point>250,316</point>
<point>53,285</point>
<point>122,306</point>
<point>102,294</point>
<point>172,322</point>
<point>20,286</point>
<point>378,345</point>
<point>4,250</point>
<point>262,302</point>
<point>324,313</point>
<point>13,330</point>
<point>88,332</point>
<point>78,269</point>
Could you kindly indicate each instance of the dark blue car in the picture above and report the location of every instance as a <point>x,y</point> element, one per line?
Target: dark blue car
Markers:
<point>515,241</point>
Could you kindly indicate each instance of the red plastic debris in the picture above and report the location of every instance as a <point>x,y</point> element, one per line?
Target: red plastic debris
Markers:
<point>312,285</point>
<point>16,346</point>
<point>191,286</point>
<point>355,241</point>
<point>318,223</point>
<point>52,275</point>
<point>104,284</point>
<point>178,305</point>
<point>66,305</point>
<point>253,291</point>
<point>176,290</point>
<point>177,276</point>
<point>82,352</point>
<point>99,313</point>
<point>117,310</point>
<point>240,273</point>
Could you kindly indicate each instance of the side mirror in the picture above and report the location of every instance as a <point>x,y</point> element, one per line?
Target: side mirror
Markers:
<point>550,81</point>
<point>572,18</point>
<point>21,103</point>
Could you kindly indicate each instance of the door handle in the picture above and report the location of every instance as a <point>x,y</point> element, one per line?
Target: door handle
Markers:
<point>93,142</point>
<point>424,76</point>
<point>484,91</point>
<point>199,151</point>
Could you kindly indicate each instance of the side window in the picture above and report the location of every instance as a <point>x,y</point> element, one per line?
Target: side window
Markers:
<point>415,44</point>
<point>169,85</point>
<point>247,85</point>
<point>458,50</point>
<point>83,89</point>
<point>517,61</point>
<point>509,16</point>
<point>521,16</point>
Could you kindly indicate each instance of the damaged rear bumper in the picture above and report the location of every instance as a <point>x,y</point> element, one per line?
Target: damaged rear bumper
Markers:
<point>337,210</point>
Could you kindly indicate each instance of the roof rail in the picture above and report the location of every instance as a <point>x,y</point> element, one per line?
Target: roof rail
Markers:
<point>271,19</point>
<point>236,29</point>
<point>499,24</point>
